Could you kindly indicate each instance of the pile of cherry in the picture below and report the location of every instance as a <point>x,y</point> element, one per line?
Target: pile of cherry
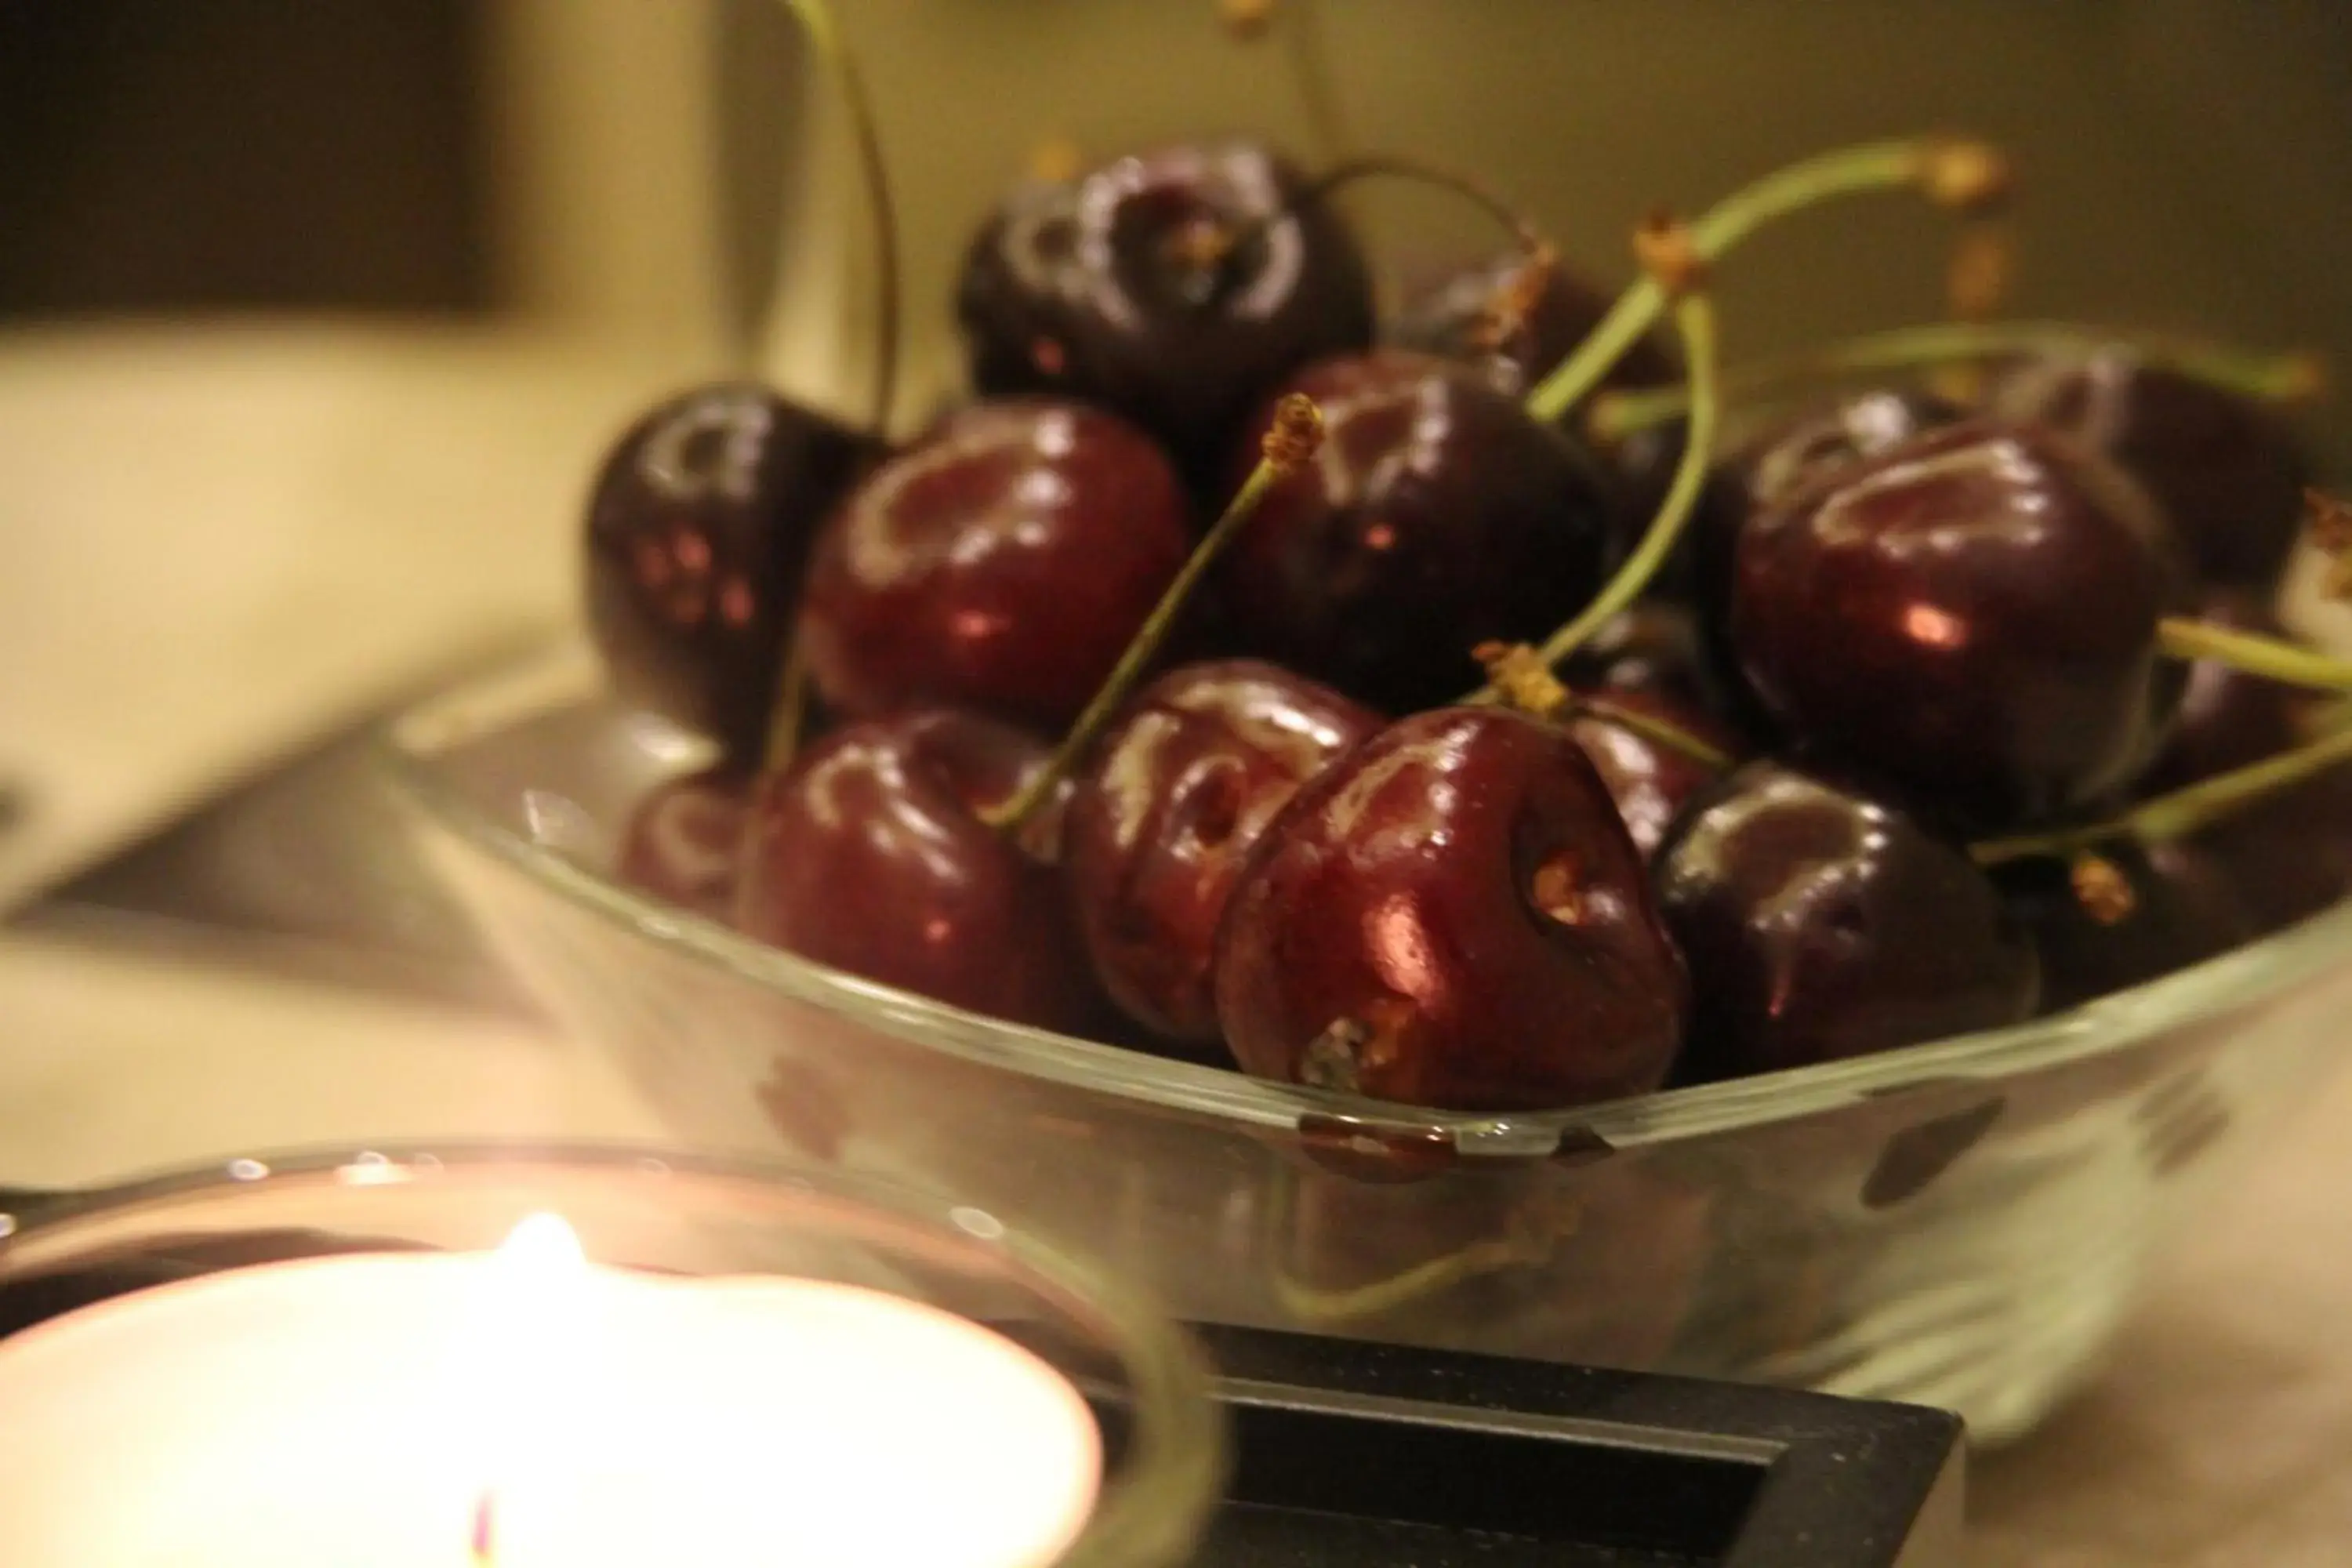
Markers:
<point>1865,764</point>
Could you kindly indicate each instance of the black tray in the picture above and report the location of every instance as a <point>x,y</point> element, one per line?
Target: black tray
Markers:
<point>1357,1456</point>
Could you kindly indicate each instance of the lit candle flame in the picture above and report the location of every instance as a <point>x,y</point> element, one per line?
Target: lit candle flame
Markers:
<point>484,1555</point>
<point>541,1247</point>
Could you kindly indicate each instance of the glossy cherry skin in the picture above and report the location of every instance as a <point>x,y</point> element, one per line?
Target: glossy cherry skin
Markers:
<point>1651,782</point>
<point>1452,915</point>
<point>1437,516</point>
<point>1099,289</point>
<point>1969,618</point>
<point>1765,465</point>
<point>2185,909</point>
<point>698,535</point>
<point>1453,317</point>
<point>683,844</point>
<point>2227,471</point>
<point>1176,792</point>
<point>866,854</point>
<point>1002,562</point>
<point>1819,924</point>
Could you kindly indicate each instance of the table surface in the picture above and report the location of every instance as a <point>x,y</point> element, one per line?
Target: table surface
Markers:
<point>419,495</point>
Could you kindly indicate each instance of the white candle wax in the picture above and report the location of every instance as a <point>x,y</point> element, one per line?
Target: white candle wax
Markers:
<point>355,1412</point>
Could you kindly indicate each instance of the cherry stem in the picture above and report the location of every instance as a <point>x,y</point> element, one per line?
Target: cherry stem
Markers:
<point>2184,638</point>
<point>1967,176</point>
<point>840,62</point>
<point>1694,317</point>
<point>1370,165</point>
<point>1292,441</point>
<point>1392,165</point>
<point>1517,677</point>
<point>2270,377</point>
<point>788,717</point>
<point>1673,737</point>
<point>1529,1242</point>
<point>1303,31</point>
<point>2183,811</point>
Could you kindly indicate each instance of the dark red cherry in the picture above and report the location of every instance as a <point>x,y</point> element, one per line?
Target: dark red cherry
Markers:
<point>2289,855</point>
<point>1454,317</point>
<point>1157,286</point>
<point>1819,924</point>
<point>1969,618</point>
<point>1769,464</point>
<point>2183,908</point>
<point>1002,562</point>
<point>1437,516</point>
<point>866,854</point>
<point>699,533</point>
<point>1651,782</point>
<point>1176,793</point>
<point>682,843</point>
<point>1452,915</point>
<point>2228,471</point>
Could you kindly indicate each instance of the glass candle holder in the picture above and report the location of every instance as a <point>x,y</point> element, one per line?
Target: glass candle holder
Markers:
<point>580,1355</point>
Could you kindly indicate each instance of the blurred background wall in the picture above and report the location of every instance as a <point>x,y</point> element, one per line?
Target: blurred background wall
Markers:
<point>627,165</point>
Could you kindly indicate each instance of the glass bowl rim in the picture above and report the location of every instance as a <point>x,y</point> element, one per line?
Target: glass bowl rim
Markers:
<point>1178,1447</point>
<point>478,707</point>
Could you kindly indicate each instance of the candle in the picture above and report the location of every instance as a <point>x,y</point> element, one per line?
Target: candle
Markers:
<point>531,1410</point>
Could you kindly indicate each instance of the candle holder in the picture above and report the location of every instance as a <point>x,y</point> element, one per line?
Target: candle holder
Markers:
<point>662,1217</point>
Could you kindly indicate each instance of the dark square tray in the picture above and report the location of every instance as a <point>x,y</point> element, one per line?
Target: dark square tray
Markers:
<point>1356,1456</point>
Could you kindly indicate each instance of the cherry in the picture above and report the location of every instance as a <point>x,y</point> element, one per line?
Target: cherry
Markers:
<point>1969,617</point>
<point>2290,854</point>
<point>1651,782</point>
<point>698,535</point>
<point>1775,461</point>
<point>868,854</point>
<point>1176,287</point>
<point>1438,516</point>
<point>2182,908</point>
<point>1454,317</point>
<point>681,843</point>
<point>2227,470</point>
<point>1452,914</point>
<point>1179,790</point>
<point>1002,563</point>
<point>1820,924</point>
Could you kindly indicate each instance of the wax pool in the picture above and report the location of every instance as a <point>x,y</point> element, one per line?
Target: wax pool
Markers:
<point>356,1411</point>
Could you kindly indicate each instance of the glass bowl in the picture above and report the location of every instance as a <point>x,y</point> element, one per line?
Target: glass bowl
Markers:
<point>1961,1222</point>
<point>738,1222</point>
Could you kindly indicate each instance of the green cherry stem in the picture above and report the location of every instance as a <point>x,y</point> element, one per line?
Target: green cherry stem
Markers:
<point>1311,63</point>
<point>1292,441</point>
<point>2181,812</point>
<point>2184,638</point>
<point>1967,176</point>
<point>1673,737</point>
<point>788,717</point>
<point>1695,320</point>
<point>2289,377</point>
<point>839,62</point>
<point>1395,166</point>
